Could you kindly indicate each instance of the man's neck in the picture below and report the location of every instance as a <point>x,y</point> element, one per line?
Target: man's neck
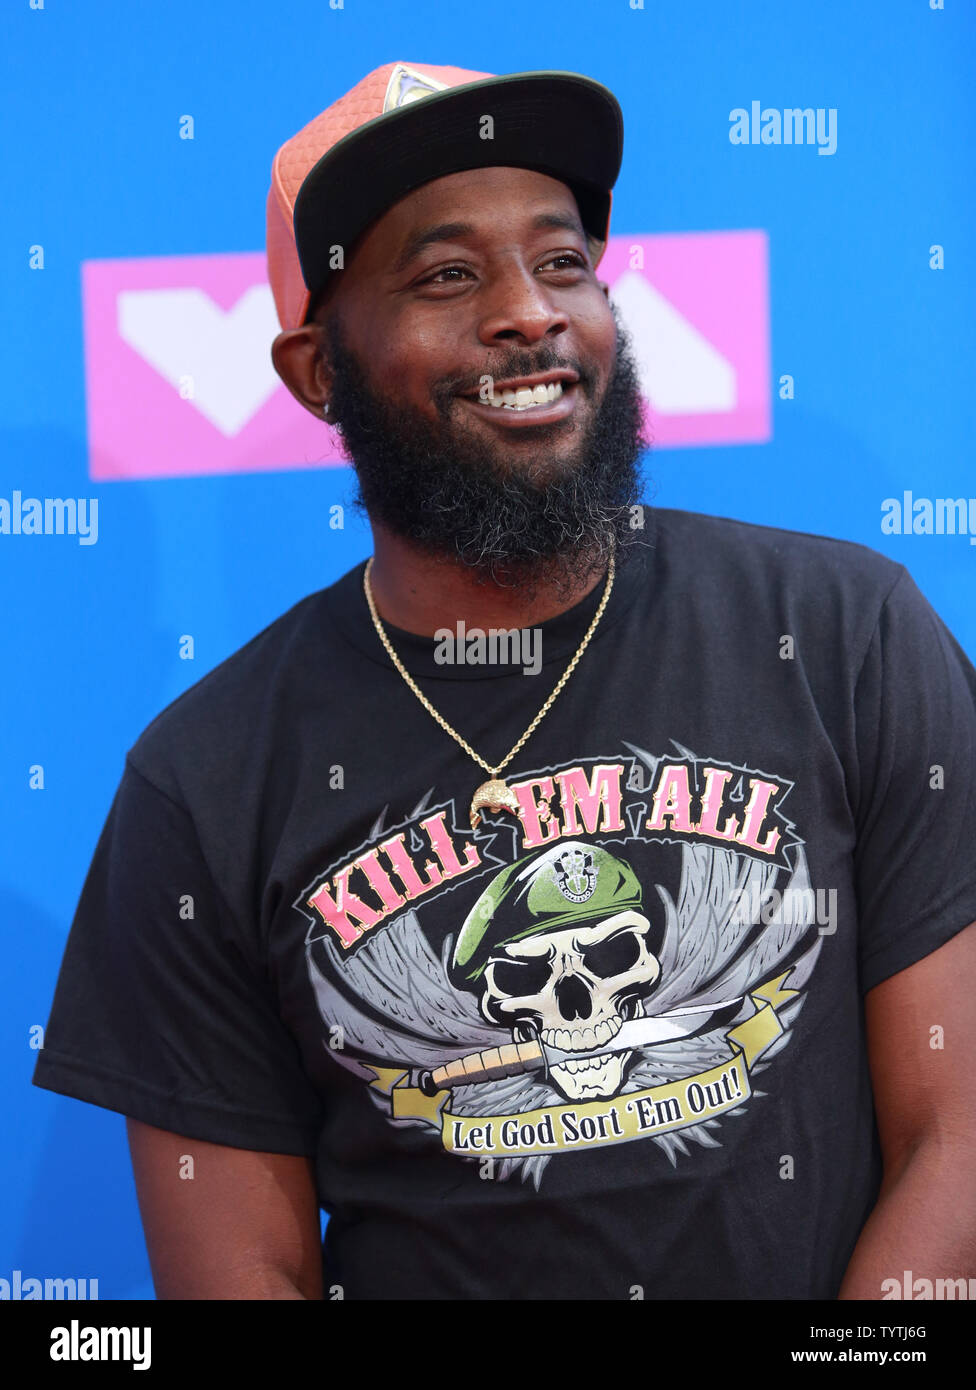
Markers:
<point>418,594</point>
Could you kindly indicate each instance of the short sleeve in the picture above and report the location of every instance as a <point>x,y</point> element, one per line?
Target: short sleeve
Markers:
<point>158,1011</point>
<point>915,858</point>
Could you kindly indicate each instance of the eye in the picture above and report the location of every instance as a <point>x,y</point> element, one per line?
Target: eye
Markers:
<point>516,977</point>
<point>576,261</point>
<point>612,957</point>
<point>444,270</point>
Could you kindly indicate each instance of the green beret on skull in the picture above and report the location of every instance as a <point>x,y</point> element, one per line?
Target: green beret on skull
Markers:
<point>568,884</point>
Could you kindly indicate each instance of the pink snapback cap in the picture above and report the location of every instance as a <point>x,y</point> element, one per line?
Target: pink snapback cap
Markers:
<point>405,124</point>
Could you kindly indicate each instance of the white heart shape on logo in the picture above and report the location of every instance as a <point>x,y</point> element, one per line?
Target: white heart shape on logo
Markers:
<point>681,372</point>
<point>223,355</point>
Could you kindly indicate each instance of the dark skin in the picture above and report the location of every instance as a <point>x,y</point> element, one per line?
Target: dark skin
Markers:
<point>925,1217</point>
<point>247,1225</point>
<point>418,323</point>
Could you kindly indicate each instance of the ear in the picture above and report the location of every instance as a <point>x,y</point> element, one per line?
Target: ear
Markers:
<point>298,359</point>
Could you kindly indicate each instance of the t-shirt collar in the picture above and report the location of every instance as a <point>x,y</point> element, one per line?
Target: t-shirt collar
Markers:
<point>557,639</point>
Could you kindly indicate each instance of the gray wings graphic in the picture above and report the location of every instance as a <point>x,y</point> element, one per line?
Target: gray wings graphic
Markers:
<point>708,956</point>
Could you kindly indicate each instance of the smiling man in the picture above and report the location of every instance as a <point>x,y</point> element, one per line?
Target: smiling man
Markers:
<point>511,452</point>
<point>644,973</point>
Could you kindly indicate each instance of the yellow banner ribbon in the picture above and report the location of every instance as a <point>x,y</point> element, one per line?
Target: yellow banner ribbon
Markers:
<point>591,1124</point>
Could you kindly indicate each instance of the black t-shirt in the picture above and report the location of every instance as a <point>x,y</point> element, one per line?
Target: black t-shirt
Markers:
<point>608,1040</point>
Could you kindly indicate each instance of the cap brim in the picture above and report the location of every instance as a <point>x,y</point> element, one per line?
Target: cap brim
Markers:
<point>559,123</point>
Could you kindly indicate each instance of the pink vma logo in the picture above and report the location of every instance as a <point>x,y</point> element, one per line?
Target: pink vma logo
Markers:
<point>180,380</point>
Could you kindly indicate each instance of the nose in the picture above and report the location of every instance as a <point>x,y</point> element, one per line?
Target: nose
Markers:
<point>518,306</point>
<point>573,999</point>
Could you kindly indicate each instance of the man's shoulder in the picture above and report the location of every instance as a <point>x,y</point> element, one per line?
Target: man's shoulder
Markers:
<point>752,553</point>
<point>223,714</point>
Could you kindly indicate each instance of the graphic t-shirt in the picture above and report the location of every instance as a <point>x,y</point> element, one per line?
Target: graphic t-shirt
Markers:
<point>599,1035</point>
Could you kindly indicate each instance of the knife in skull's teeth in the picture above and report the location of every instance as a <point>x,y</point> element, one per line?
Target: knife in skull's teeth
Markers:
<point>538,1055</point>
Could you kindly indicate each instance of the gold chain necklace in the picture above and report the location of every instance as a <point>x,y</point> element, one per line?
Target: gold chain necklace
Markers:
<point>493,794</point>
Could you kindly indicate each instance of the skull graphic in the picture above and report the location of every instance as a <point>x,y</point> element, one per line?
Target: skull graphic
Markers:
<point>575,987</point>
<point>559,950</point>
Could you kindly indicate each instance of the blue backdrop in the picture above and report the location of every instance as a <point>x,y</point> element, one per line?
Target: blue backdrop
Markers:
<point>878,342</point>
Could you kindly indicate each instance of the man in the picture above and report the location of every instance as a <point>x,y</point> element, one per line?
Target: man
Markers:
<point>575,900</point>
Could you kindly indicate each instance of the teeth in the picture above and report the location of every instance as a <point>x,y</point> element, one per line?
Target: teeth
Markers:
<point>597,1064</point>
<point>604,1033</point>
<point>528,397</point>
<point>583,1039</point>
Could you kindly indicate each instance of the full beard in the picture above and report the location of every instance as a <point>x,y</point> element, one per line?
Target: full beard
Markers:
<point>448,492</point>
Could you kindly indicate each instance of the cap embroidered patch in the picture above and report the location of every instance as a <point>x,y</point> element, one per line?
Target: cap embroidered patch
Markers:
<point>407,85</point>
